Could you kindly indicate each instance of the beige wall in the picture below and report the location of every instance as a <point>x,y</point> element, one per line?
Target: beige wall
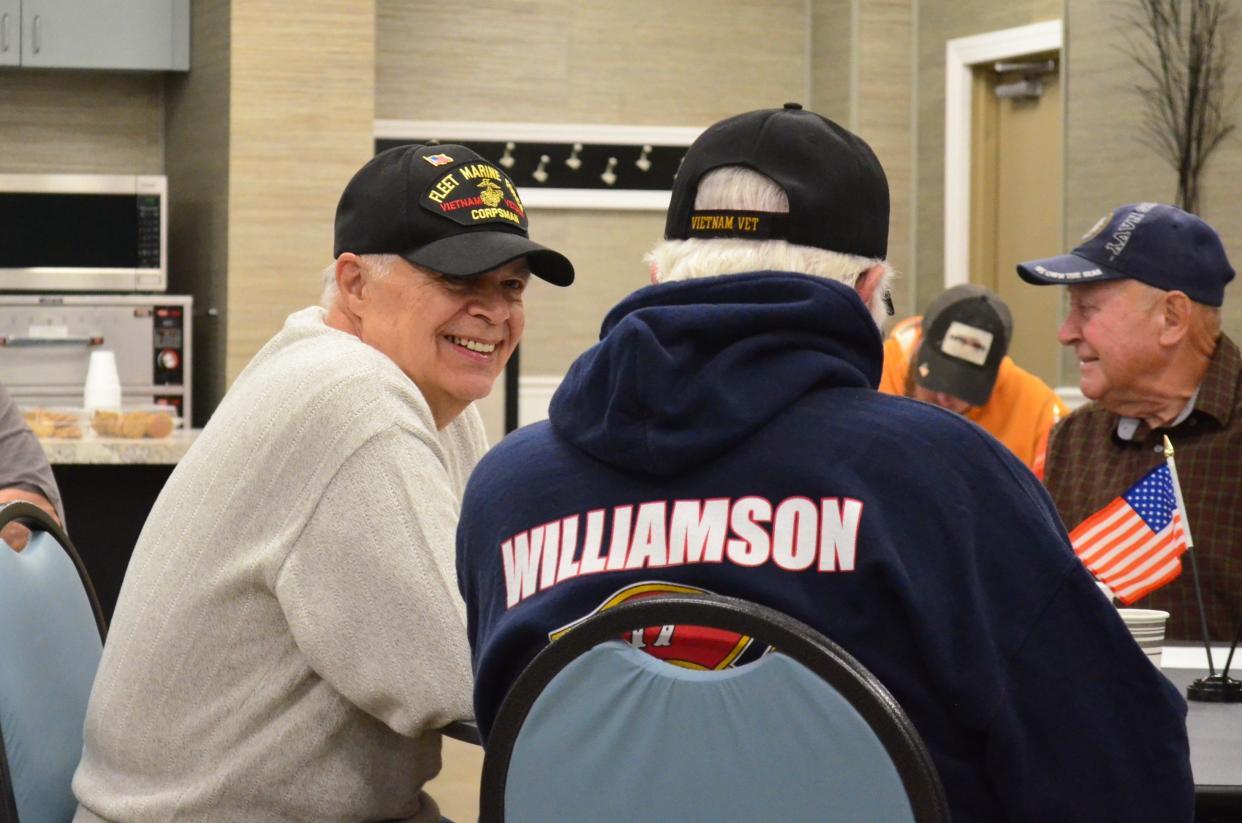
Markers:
<point>833,52</point>
<point>301,111</point>
<point>81,121</point>
<point>884,116</point>
<point>648,62</point>
<point>862,75</point>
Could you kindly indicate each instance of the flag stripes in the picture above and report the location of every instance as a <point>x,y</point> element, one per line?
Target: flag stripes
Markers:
<point>1134,544</point>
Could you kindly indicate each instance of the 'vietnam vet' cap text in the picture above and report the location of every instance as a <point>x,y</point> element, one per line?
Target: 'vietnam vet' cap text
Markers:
<point>966,333</point>
<point>442,207</point>
<point>838,194</point>
<point>1153,243</point>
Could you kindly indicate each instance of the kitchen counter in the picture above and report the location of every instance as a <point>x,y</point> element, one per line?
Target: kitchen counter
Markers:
<point>165,451</point>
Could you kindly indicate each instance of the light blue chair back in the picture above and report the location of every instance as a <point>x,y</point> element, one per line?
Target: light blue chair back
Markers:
<point>609,733</point>
<point>50,645</point>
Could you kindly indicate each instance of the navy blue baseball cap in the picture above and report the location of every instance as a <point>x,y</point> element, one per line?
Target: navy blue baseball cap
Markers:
<point>1153,243</point>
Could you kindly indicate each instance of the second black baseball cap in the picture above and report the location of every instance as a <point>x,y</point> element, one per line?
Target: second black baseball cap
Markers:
<point>838,194</point>
<point>966,333</point>
<point>442,207</point>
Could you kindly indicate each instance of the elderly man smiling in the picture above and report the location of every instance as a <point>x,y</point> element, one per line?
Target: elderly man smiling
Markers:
<point>289,634</point>
<point>1145,287</point>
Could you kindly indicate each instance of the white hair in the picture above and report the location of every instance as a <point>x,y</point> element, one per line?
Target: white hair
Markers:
<point>737,188</point>
<point>378,264</point>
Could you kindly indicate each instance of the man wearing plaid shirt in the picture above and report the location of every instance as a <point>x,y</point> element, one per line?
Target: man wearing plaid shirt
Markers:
<point>1145,287</point>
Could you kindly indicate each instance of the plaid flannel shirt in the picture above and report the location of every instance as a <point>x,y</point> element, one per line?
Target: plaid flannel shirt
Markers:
<point>1089,465</point>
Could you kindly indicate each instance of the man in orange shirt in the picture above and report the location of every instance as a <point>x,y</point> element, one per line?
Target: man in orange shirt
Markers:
<point>961,364</point>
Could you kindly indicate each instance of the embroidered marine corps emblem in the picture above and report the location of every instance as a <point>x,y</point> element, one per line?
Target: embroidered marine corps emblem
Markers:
<point>490,193</point>
<point>691,647</point>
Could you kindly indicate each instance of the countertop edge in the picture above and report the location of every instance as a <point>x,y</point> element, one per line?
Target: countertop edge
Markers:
<point>119,451</point>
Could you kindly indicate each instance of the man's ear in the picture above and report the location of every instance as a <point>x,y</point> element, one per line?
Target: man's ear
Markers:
<point>1176,318</point>
<point>350,280</point>
<point>867,283</point>
<point>655,274</point>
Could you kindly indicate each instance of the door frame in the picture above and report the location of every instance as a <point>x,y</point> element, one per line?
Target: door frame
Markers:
<point>962,54</point>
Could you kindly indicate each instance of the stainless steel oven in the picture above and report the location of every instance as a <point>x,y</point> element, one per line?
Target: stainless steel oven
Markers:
<point>83,232</point>
<point>46,341</point>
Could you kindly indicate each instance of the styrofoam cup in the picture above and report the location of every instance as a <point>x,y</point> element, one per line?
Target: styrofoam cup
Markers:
<point>103,384</point>
<point>1147,627</point>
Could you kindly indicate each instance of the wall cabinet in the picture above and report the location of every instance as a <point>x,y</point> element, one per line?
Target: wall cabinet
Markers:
<point>144,35</point>
<point>10,32</point>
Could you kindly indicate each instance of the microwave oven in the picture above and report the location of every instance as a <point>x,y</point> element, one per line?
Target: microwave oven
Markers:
<point>83,232</point>
<point>46,342</point>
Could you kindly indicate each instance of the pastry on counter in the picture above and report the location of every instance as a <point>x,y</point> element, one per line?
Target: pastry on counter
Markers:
<point>51,423</point>
<point>132,425</point>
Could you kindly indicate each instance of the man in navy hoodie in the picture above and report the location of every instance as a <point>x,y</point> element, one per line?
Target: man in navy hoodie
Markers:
<point>725,435</point>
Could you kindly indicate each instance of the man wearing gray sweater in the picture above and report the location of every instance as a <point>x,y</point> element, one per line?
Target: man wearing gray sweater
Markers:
<point>289,634</point>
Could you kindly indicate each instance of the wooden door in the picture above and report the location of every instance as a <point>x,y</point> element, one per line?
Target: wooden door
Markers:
<point>1016,208</point>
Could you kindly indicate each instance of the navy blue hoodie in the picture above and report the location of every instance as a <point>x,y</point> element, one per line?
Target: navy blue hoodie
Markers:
<point>725,435</point>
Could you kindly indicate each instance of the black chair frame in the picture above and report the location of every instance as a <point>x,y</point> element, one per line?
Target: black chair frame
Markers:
<point>792,637</point>
<point>38,520</point>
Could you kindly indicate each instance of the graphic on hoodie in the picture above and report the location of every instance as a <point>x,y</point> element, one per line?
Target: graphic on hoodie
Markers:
<point>691,647</point>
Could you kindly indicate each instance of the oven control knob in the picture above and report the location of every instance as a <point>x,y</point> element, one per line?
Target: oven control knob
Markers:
<point>169,359</point>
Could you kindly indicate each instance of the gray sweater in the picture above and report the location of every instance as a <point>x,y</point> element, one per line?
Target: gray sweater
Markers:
<point>289,629</point>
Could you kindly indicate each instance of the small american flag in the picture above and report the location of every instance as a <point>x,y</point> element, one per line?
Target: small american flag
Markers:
<point>1134,544</point>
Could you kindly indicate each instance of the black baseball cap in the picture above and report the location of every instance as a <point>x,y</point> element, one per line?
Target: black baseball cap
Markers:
<point>966,333</point>
<point>838,194</point>
<point>1153,243</point>
<point>442,207</point>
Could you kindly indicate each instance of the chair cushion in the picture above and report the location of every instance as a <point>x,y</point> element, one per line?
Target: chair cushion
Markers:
<point>618,735</point>
<point>50,648</point>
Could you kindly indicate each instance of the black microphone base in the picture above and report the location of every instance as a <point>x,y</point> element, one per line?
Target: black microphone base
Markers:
<point>1215,689</point>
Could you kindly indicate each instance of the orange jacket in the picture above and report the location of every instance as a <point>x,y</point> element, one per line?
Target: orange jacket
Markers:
<point>1020,412</point>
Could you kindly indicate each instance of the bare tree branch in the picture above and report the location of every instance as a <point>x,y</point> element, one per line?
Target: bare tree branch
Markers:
<point>1181,55</point>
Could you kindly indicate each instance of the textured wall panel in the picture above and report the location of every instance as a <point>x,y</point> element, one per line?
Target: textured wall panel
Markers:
<point>885,120</point>
<point>862,55</point>
<point>646,62</point>
<point>833,52</point>
<point>197,129</point>
<point>81,121</point>
<point>684,63</point>
<point>302,103</point>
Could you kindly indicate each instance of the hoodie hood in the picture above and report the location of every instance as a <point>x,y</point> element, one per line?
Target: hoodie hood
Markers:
<point>687,370</point>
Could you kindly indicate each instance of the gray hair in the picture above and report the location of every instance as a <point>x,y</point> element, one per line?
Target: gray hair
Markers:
<point>379,265</point>
<point>737,188</point>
